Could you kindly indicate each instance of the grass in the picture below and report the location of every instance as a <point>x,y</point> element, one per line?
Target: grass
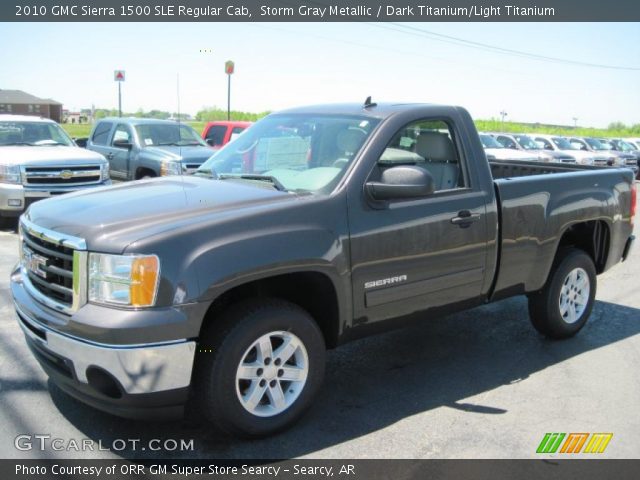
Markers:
<point>79,131</point>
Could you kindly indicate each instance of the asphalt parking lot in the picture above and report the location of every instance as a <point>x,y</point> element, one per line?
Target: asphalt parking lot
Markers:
<point>480,384</point>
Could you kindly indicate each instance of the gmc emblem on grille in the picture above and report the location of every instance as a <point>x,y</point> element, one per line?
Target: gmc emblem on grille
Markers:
<point>66,174</point>
<point>34,263</point>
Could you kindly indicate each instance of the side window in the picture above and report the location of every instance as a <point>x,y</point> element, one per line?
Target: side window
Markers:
<point>215,135</point>
<point>235,132</point>
<point>428,144</point>
<point>545,143</point>
<point>122,134</point>
<point>506,142</point>
<point>101,133</point>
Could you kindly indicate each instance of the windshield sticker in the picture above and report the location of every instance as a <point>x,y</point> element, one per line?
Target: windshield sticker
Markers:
<point>148,141</point>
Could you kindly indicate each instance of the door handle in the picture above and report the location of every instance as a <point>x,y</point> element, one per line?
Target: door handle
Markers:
<point>465,218</point>
<point>110,155</point>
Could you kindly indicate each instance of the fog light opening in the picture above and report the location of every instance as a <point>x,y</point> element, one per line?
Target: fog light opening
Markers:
<point>14,202</point>
<point>103,382</point>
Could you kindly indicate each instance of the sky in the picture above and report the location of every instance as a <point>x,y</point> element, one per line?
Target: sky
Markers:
<point>280,65</point>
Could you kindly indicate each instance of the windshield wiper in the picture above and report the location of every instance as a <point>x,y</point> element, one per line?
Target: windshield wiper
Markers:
<point>251,176</point>
<point>10,144</point>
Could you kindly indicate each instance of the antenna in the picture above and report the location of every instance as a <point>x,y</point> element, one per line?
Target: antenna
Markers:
<point>368,103</point>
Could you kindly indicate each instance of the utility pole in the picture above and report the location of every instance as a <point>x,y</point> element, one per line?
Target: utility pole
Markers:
<point>229,67</point>
<point>575,122</point>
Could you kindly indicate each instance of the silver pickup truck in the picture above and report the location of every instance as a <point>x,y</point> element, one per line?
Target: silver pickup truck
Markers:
<point>39,160</point>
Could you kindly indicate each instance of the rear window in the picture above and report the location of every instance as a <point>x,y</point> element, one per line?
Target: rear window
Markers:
<point>101,133</point>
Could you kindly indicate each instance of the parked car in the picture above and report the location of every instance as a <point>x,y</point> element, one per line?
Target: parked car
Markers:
<point>634,143</point>
<point>143,148</point>
<point>614,158</point>
<point>556,143</point>
<point>226,288</point>
<point>497,151</point>
<point>219,133</point>
<point>39,160</point>
<point>624,150</point>
<point>525,143</point>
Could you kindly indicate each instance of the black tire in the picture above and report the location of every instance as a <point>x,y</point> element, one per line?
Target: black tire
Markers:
<point>544,306</point>
<point>223,345</point>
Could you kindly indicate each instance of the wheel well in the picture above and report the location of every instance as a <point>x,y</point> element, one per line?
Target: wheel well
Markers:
<point>142,171</point>
<point>310,290</point>
<point>592,237</point>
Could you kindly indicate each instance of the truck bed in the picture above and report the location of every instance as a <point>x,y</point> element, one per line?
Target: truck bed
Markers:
<point>538,203</point>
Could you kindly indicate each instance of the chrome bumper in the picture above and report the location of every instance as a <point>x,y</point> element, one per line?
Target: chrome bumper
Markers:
<point>10,194</point>
<point>137,369</point>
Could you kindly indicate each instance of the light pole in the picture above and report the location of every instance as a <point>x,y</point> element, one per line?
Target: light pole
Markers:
<point>229,67</point>
<point>575,122</point>
<point>502,115</point>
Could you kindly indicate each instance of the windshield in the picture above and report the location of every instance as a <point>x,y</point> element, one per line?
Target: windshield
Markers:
<point>595,144</point>
<point>489,142</point>
<point>32,134</point>
<point>527,142</point>
<point>155,134</point>
<point>563,143</point>
<point>300,152</point>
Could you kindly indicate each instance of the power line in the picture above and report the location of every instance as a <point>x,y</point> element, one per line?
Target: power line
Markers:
<point>492,48</point>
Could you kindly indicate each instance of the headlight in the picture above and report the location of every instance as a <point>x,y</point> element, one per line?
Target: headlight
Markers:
<point>105,171</point>
<point>171,168</point>
<point>10,174</point>
<point>128,280</point>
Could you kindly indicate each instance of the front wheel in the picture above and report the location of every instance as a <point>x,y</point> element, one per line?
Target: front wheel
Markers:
<point>259,367</point>
<point>564,304</point>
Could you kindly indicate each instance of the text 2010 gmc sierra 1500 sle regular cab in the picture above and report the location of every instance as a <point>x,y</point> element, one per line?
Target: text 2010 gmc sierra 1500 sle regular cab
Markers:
<point>315,226</point>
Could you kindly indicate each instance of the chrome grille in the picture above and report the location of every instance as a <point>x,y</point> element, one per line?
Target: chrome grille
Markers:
<point>62,175</point>
<point>53,267</point>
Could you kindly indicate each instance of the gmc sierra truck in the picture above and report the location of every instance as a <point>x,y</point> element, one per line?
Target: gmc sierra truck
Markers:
<point>223,289</point>
<point>144,148</point>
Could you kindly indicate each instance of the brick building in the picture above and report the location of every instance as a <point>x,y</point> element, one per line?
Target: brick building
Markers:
<point>22,103</point>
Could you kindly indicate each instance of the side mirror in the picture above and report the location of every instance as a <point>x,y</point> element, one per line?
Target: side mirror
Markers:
<point>81,142</point>
<point>122,143</point>
<point>406,181</point>
<point>210,142</point>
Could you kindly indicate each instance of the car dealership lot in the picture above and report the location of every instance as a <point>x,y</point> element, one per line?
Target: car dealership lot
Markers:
<point>481,383</point>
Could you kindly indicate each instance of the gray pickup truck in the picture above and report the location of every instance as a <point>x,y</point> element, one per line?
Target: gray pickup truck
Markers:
<point>222,290</point>
<point>143,148</point>
<point>38,160</point>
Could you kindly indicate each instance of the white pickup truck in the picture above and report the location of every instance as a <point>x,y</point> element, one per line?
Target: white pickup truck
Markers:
<point>39,160</point>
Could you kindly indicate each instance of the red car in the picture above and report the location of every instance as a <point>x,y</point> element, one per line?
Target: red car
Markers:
<point>217,134</point>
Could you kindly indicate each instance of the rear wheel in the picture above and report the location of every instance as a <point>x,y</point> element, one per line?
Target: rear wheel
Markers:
<point>564,304</point>
<point>259,367</point>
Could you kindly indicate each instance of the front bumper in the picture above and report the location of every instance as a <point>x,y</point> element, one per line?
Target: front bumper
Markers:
<point>145,381</point>
<point>16,198</point>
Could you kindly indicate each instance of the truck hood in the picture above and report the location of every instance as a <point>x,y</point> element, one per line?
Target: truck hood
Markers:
<point>189,154</point>
<point>510,154</point>
<point>54,155</point>
<point>111,218</point>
